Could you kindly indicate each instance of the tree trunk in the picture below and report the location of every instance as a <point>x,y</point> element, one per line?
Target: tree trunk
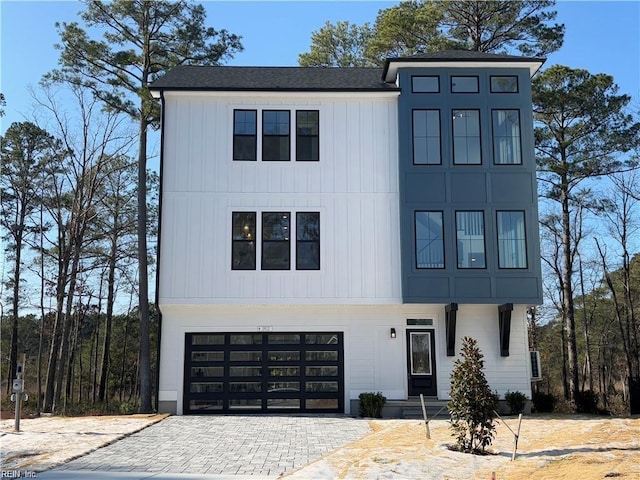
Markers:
<point>109,320</point>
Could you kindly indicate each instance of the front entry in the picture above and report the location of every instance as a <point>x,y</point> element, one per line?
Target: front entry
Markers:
<point>421,362</point>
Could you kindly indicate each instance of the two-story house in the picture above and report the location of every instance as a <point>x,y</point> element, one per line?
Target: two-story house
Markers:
<point>326,232</point>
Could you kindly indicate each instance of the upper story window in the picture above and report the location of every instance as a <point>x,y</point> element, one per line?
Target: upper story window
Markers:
<point>512,239</point>
<point>307,135</point>
<point>426,137</point>
<point>506,137</point>
<point>470,239</point>
<point>429,240</point>
<point>307,241</point>
<point>276,247</point>
<point>504,84</point>
<point>425,84</point>
<point>244,134</point>
<point>243,235</point>
<point>276,141</point>
<point>466,137</point>
<point>464,84</point>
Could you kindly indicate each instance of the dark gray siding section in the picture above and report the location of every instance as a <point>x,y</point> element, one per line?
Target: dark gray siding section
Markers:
<point>449,188</point>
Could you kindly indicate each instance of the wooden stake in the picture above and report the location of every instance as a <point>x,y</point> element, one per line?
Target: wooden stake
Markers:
<point>515,438</point>
<point>424,415</point>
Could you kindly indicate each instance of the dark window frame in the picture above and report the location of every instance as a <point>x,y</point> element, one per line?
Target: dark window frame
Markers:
<point>484,240</point>
<point>310,136</point>
<point>451,86</point>
<point>413,90</point>
<point>453,134</point>
<point>493,135</point>
<point>237,242</point>
<point>300,242</point>
<point>413,135</point>
<point>286,241</point>
<point>238,136</point>
<point>266,136</point>
<point>491,89</point>
<point>415,239</point>
<point>526,243</point>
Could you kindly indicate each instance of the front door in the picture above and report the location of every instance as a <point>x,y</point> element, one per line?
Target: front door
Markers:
<point>421,362</point>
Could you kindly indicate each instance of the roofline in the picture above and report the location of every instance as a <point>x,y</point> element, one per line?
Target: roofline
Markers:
<point>156,91</point>
<point>390,71</point>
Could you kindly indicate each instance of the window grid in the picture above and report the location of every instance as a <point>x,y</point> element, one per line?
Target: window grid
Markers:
<point>467,146</point>
<point>307,241</point>
<point>512,239</point>
<point>243,250</point>
<point>244,135</point>
<point>426,137</point>
<point>276,244</point>
<point>470,239</point>
<point>307,135</point>
<point>506,137</point>
<point>429,240</point>
<point>276,135</point>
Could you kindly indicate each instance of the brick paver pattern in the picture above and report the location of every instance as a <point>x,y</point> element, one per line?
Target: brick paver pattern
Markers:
<point>225,445</point>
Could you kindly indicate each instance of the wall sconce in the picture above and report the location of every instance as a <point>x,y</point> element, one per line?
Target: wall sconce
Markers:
<point>392,334</point>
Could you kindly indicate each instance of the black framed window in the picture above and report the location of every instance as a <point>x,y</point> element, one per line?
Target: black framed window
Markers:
<point>429,239</point>
<point>276,244</point>
<point>276,144</point>
<point>470,239</point>
<point>504,84</point>
<point>308,241</point>
<point>307,135</point>
<point>512,239</point>
<point>506,137</point>
<point>467,148</point>
<point>425,84</point>
<point>244,134</point>
<point>464,84</point>
<point>426,137</point>
<point>243,255</point>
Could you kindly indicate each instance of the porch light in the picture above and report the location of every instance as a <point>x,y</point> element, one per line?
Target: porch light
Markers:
<point>392,334</point>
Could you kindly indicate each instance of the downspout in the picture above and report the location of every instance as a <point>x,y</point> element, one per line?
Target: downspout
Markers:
<point>157,295</point>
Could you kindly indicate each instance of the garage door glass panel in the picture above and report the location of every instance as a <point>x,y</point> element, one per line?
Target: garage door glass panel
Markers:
<point>324,371</point>
<point>245,356</point>
<point>245,387</point>
<point>284,371</point>
<point>280,387</point>
<point>245,339</point>
<point>287,403</point>
<point>207,356</point>
<point>245,371</point>
<point>321,386</point>
<point>314,356</point>
<point>284,356</point>
<point>245,404</point>
<point>206,387</point>
<point>204,405</point>
<point>320,403</point>
<point>207,371</point>
<point>207,339</point>
<point>320,339</point>
<point>284,339</point>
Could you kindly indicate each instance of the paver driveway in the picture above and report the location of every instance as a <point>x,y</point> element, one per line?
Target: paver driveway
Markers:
<point>224,445</point>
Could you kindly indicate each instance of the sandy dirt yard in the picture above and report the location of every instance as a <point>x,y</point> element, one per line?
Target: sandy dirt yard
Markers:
<point>550,447</point>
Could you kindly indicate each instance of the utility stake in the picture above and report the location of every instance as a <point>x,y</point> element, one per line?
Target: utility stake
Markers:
<point>424,414</point>
<point>516,436</point>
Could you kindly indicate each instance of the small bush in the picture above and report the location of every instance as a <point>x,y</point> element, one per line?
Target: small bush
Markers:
<point>587,402</point>
<point>516,401</point>
<point>544,402</point>
<point>371,404</point>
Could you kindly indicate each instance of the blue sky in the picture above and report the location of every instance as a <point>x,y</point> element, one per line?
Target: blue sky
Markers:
<point>601,36</point>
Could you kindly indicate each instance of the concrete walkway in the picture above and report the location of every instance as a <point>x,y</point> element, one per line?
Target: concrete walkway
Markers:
<point>216,447</point>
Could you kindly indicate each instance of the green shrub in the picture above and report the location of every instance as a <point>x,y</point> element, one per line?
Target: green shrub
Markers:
<point>371,404</point>
<point>544,402</point>
<point>473,404</point>
<point>516,401</point>
<point>587,402</point>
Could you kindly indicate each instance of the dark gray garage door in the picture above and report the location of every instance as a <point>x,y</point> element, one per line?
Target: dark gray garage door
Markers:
<point>292,372</point>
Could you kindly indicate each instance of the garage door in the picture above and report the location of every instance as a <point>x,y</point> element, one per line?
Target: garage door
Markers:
<point>290,372</point>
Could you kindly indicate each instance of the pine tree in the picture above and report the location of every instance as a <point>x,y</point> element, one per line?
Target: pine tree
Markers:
<point>472,403</point>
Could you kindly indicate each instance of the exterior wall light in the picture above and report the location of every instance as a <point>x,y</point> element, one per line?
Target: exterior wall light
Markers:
<point>392,334</point>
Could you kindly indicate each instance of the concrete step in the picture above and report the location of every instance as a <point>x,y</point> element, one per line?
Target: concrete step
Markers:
<point>412,408</point>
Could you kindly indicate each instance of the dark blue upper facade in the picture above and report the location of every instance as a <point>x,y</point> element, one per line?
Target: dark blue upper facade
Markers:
<point>468,198</point>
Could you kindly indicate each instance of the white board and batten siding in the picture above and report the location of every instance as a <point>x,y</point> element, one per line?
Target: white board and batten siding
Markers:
<point>354,186</point>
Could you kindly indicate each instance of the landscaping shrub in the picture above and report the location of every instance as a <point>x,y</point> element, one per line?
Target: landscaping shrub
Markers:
<point>516,401</point>
<point>371,404</point>
<point>587,402</point>
<point>472,405</point>
<point>544,402</point>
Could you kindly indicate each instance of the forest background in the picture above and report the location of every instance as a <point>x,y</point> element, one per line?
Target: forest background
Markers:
<point>72,298</point>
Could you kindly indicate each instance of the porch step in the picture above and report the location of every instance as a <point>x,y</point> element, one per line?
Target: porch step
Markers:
<point>412,408</point>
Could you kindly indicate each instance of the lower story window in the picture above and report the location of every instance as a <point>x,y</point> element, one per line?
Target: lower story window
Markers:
<point>429,240</point>
<point>512,239</point>
<point>470,239</point>
<point>243,251</point>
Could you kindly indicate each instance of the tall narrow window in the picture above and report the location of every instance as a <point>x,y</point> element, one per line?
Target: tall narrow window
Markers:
<point>512,239</point>
<point>276,135</point>
<point>276,248</point>
<point>466,137</point>
<point>307,241</point>
<point>244,134</point>
<point>426,137</point>
<point>307,135</point>
<point>429,240</point>
<point>243,255</point>
<point>506,137</point>
<point>470,239</point>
